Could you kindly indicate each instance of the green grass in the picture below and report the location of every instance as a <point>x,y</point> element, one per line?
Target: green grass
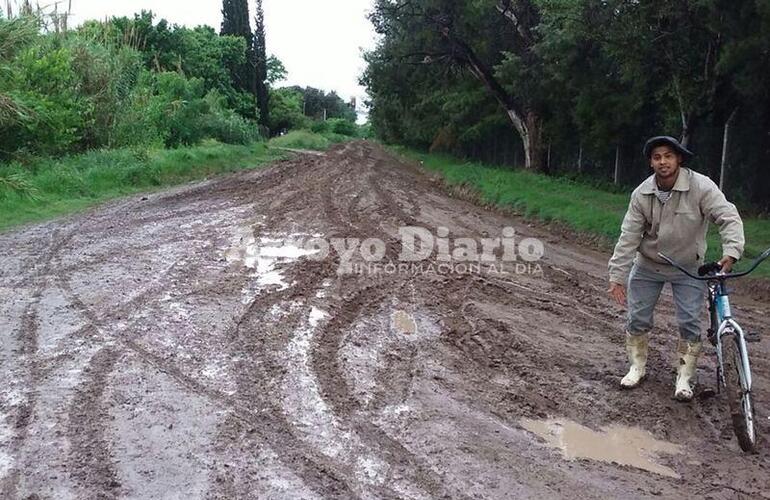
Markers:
<point>51,187</point>
<point>305,139</point>
<point>579,206</point>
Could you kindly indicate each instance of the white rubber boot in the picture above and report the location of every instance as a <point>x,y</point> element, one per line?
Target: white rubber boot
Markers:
<point>636,348</point>
<point>688,353</point>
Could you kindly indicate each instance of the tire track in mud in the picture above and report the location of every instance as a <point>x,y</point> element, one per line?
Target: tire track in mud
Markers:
<point>346,220</point>
<point>90,461</point>
<point>343,216</point>
<point>331,377</point>
<point>96,322</point>
<point>324,354</point>
<point>64,272</point>
<point>316,470</point>
<point>269,426</point>
<point>266,366</point>
<point>90,442</point>
<point>340,223</point>
<point>378,183</point>
<point>488,344</point>
<point>28,338</point>
<point>318,473</point>
<point>246,417</point>
<point>453,312</point>
<point>90,458</point>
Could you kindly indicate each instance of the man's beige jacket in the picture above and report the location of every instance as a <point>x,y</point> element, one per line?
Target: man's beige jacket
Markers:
<point>676,228</point>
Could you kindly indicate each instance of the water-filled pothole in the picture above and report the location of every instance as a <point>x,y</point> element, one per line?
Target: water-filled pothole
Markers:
<point>623,445</point>
<point>263,254</point>
<point>404,323</point>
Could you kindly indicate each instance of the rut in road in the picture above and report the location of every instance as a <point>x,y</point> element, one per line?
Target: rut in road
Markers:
<point>150,348</point>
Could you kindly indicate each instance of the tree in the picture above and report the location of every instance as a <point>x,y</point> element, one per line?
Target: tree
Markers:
<point>318,104</point>
<point>446,32</point>
<point>276,71</point>
<point>261,66</point>
<point>286,110</point>
<point>235,22</point>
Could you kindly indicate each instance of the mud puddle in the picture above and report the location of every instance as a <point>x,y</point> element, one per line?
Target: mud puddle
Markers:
<point>404,323</point>
<point>619,444</point>
<point>264,254</point>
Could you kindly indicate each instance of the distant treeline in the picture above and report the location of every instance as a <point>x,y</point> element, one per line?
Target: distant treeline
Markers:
<point>136,82</point>
<point>575,86</point>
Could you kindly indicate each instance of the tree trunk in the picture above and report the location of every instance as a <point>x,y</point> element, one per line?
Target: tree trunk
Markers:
<point>684,114</point>
<point>531,134</point>
<point>725,144</point>
<point>685,138</point>
<point>580,159</point>
<point>617,165</point>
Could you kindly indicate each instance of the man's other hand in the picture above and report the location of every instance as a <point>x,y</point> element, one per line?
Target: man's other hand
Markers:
<point>618,292</point>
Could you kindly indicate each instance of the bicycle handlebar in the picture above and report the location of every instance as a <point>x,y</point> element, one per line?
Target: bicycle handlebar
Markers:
<point>754,265</point>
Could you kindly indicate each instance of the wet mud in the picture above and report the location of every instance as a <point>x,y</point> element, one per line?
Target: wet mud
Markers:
<point>192,344</point>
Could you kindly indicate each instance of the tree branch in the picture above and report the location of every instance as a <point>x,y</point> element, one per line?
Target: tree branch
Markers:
<point>484,74</point>
<point>506,8</point>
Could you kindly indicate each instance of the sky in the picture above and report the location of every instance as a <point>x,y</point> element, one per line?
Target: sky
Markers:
<point>319,41</point>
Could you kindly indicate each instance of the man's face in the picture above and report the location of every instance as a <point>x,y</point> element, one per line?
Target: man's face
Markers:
<point>665,161</point>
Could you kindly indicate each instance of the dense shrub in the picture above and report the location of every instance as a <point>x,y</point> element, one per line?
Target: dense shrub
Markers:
<point>342,126</point>
<point>114,84</point>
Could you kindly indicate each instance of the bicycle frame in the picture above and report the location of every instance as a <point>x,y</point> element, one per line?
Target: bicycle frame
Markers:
<point>722,323</point>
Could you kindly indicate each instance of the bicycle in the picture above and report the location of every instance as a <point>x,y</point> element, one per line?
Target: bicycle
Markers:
<point>724,333</point>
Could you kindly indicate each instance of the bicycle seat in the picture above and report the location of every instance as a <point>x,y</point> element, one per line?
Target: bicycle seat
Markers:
<point>709,268</point>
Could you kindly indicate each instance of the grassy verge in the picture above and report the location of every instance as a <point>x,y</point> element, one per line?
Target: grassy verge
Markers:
<point>51,187</point>
<point>581,207</point>
<point>305,139</point>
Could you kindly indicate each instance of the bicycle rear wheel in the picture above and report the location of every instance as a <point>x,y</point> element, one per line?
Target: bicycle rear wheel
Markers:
<point>741,405</point>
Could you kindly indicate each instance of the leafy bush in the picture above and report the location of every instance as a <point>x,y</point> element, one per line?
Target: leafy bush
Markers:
<point>286,110</point>
<point>16,179</point>
<point>106,79</point>
<point>134,125</point>
<point>301,139</point>
<point>321,127</point>
<point>225,125</point>
<point>123,82</point>
<point>366,131</point>
<point>41,80</point>
<point>342,126</point>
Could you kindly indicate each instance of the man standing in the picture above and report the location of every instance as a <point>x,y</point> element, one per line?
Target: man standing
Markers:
<point>669,213</point>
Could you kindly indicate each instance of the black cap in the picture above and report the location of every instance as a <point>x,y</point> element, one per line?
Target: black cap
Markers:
<point>665,140</point>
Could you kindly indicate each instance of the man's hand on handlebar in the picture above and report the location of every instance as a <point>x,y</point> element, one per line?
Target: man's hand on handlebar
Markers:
<point>727,263</point>
<point>618,292</point>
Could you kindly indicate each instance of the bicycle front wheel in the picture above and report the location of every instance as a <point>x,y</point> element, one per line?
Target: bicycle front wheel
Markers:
<point>741,405</point>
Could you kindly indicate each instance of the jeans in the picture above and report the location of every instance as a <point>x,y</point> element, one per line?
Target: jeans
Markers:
<point>644,287</point>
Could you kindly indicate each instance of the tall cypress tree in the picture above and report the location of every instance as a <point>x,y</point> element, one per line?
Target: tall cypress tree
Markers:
<point>235,21</point>
<point>260,63</point>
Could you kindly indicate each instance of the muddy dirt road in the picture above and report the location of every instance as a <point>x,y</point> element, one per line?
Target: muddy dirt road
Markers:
<point>186,345</point>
